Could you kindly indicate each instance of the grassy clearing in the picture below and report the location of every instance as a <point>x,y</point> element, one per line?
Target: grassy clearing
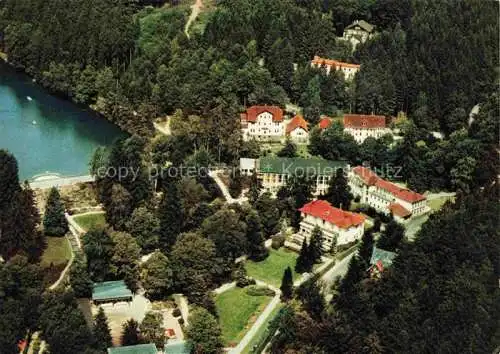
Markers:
<point>237,312</point>
<point>271,269</point>
<point>437,204</point>
<point>58,252</point>
<point>54,259</point>
<point>90,220</point>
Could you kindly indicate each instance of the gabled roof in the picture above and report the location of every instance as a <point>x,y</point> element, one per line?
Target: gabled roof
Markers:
<point>324,123</point>
<point>382,256</point>
<point>364,121</point>
<point>134,349</point>
<point>363,24</point>
<point>371,179</point>
<point>335,63</point>
<point>325,211</point>
<point>252,113</point>
<point>400,193</point>
<point>398,210</point>
<point>367,175</point>
<point>299,166</point>
<point>111,290</point>
<point>297,122</point>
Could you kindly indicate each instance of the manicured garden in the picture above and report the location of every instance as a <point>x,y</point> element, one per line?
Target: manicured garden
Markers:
<point>238,310</point>
<point>271,269</point>
<point>87,221</point>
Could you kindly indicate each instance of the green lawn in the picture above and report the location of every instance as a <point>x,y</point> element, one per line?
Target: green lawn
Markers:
<point>271,269</point>
<point>90,220</point>
<point>437,204</point>
<point>58,252</point>
<point>237,312</point>
<point>262,332</point>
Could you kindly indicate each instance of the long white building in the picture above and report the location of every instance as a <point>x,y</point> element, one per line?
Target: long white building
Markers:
<point>384,196</point>
<point>349,70</point>
<point>337,225</point>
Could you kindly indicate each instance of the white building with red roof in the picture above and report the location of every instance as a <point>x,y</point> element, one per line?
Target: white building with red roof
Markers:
<point>385,196</point>
<point>362,126</point>
<point>297,130</point>
<point>263,123</point>
<point>336,224</point>
<point>349,70</point>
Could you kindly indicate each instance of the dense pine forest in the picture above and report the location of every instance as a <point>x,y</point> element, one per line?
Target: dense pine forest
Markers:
<point>432,60</point>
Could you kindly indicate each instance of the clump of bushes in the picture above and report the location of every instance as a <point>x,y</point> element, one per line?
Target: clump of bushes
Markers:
<point>278,241</point>
<point>255,290</point>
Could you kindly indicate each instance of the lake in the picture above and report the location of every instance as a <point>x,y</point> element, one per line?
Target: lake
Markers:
<point>46,133</point>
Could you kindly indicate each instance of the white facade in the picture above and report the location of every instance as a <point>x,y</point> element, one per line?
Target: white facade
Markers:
<point>247,166</point>
<point>373,195</point>
<point>330,231</point>
<point>272,182</point>
<point>358,32</point>
<point>264,128</point>
<point>299,136</point>
<point>360,134</point>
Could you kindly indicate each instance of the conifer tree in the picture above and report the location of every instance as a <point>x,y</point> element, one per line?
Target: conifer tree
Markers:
<point>79,277</point>
<point>256,249</point>
<point>54,221</point>
<point>235,184</point>
<point>339,192</point>
<point>366,247</point>
<point>289,150</point>
<point>170,216</point>
<point>316,245</point>
<point>312,299</point>
<point>303,263</point>
<point>287,284</point>
<point>130,333</point>
<point>391,237</point>
<point>255,188</point>
<point>101,331</point>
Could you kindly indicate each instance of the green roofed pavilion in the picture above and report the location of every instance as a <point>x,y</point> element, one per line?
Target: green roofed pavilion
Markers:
<point>110,291</point>
<point>177,347</point>
<point>382,256</point>
<point>134,349</point>
<point>299,166</point>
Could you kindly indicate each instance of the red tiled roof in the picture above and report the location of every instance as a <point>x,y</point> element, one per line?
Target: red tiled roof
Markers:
<point>324,123</point>
<point>370,178</point>
<point>398,192</point>
<point>363,121</point>
<point>254,111</point>
<point>399,210</point>
<point>296,122</point>
<point>367,175</point>
<point>324,210</point>
<point>330,62</point>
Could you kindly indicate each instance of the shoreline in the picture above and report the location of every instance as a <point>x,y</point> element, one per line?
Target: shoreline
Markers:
<point>4,56</point>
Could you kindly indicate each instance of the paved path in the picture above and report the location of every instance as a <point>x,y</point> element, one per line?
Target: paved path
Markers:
<point>195,11</point>
<point>59,181</point>
<point>338,270</point>
<point>261,320</point>
<point>224,190</point>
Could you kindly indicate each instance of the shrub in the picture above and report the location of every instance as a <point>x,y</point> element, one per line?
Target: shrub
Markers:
<point>255,290</point>
<point>278,241</point>
<point>181,321</point>
<point>176,312</point>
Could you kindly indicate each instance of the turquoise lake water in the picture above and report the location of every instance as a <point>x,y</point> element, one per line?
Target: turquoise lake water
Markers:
<point>46,133</point>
